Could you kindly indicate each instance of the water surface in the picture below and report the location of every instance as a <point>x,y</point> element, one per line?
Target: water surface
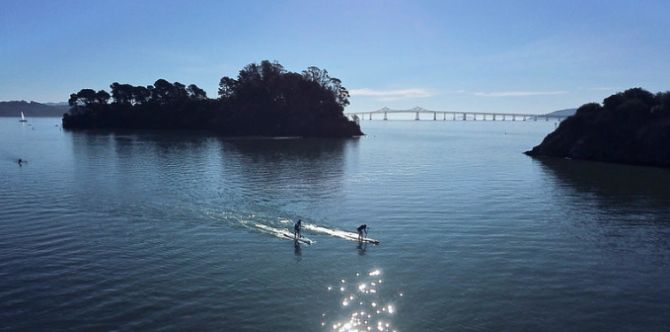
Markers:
<point>156,231</point>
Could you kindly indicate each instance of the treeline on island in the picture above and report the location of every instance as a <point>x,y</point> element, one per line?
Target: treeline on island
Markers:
<point>264,100</point>
<point>630,127</point>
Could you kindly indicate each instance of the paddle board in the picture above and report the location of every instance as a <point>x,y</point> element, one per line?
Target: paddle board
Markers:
<point>365,239</point>
<point>301,240</point>
<point>351,236</point>
<point>284,234</point>
<point>373,241</point>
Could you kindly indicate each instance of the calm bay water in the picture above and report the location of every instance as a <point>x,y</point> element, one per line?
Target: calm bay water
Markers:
<point>157,231</point>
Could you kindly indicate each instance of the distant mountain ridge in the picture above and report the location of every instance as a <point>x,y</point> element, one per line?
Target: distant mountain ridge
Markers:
<point>564,112</point>
<point>62,103</point>
<point>32,109</point>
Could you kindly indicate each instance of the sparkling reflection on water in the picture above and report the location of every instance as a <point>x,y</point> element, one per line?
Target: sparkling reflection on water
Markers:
<point>364,304</point>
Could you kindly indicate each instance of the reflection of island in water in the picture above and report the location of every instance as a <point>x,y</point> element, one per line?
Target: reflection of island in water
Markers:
<point>263,177</point>
<point>613,185</point>
<point>277,150</point>
<point>284,166</point>
<point>289,161</point>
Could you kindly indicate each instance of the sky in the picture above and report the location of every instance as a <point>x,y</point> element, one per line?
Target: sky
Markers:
<point>530,56</point>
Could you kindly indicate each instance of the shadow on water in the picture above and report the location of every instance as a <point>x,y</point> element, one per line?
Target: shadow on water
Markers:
<point>613,186</point>
<point>156,155</point>
<point>288,167</point>
<point>610,180</point>
<point>618,210</point>
<point>161,145</point>
<point>269,149</point>
<point>193,175</point>
<point>304,160</point>
<point>163,174</point>
<point>362,247</point>
<point>308,154</point>
<point>297,250</point>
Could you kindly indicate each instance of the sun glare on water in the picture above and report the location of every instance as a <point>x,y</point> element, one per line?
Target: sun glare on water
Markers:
<point>362,307</point>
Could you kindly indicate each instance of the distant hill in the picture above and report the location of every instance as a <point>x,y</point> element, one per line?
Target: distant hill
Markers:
<point>565,112</point>
<point>62,103</point>
<point>32,109</point>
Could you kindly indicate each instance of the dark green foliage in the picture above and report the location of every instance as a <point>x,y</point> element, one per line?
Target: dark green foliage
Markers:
<point>102,97</point>
<point>264,100</point>
<point>662,107</point>
<point>588,109</point>
<point>631,127</point>
<point>194,92</point>
<point>83,97</point>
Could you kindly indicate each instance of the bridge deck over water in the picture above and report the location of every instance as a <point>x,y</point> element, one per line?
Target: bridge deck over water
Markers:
<point>452,115</point>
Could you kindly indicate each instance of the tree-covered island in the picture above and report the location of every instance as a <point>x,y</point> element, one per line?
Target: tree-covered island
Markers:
<point>630,127</point>
<point>264,100</point>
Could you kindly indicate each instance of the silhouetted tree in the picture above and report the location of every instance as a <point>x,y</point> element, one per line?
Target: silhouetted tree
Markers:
<point>645,97</point>
<point>264,99</point>
<point>83,97</point>
<point>178,92</point>
<point>162,91</point>
<point>227,87</point>
<point>102,97</point>
<point>587,109</point>
<point>334,85</point>
<point>631,127</point>
<point>121,93</point>
<point>196,93</point>
<point>141,94</point>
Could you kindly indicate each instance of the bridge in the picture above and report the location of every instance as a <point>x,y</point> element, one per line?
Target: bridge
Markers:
<point>384,113</point>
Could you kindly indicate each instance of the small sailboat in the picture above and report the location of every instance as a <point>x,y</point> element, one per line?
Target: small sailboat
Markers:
<point>23,118</point>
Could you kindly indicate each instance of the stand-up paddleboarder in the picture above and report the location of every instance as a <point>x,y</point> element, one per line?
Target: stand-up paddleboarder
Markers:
<point>297,229</point>
<point>361,229</point>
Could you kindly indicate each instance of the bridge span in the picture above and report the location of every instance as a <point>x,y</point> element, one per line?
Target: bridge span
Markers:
<point>383,114</point>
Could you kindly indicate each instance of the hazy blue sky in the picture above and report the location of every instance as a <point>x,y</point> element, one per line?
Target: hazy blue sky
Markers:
<point>526,56</point>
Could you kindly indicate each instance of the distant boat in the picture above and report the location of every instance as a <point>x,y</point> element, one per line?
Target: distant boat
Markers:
<point>23,118</point>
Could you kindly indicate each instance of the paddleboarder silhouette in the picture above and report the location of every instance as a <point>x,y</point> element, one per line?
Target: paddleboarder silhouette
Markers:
<point>361,229</point>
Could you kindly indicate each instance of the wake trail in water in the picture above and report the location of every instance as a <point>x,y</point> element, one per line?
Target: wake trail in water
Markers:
<point>257,224</point>
<point>351,236</point>
<point>281,233</point>
<point>282,228</point>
